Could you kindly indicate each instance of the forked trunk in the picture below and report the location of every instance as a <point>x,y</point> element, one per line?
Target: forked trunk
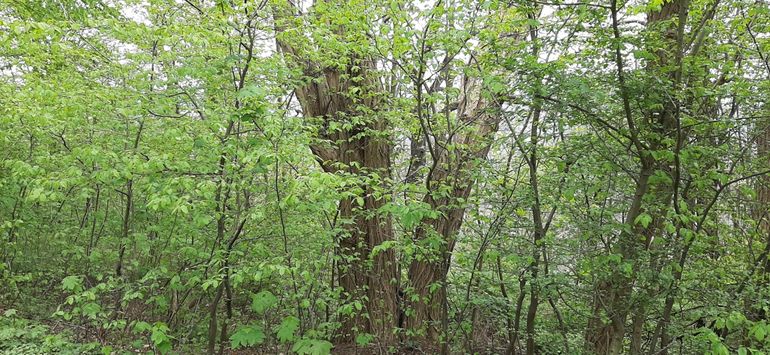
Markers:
<point>452,170</point>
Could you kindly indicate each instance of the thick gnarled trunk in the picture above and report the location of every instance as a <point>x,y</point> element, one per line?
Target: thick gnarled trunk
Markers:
<point>366,230</point>
<point>361,151</point>
<point>358,150</point>
<point>428,273</point>
<point>427,278</point>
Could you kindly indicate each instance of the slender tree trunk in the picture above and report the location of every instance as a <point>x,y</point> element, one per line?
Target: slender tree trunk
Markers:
<point>129,194</point>
<point>516,343</point>
<point>212,336</point>
<point>509,319</point>
<point>637,326</point>
<point>9,250</point>
<point>538,233</point>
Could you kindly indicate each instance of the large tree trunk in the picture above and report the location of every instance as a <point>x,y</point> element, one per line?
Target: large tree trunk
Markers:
<point>359,150</point>
<point>358,153</point>
<point>427,277</point>
<point>427,273</point>
<point>368,229</point>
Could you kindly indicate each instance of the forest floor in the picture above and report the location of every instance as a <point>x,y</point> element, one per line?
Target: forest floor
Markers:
<point>19,336</point>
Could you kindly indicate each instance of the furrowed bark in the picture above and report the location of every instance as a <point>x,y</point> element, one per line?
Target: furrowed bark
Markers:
<point>360,150</point>
<point>427,274</point>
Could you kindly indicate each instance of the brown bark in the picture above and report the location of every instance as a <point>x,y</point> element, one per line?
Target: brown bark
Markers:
<point>538,235</point>
<point>613,294</point>
<point>355,152</point>
<point>537,216</point>
<point>763,195</point>
<point>637,327</point>
<point>427,274</point>
<point>360,150</point>
<point>673,35</point>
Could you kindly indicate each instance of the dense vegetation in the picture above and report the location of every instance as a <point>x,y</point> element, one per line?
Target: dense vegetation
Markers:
<point>443,176</point>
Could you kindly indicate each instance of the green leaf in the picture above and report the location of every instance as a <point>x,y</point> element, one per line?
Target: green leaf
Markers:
<point>312,347</point>
<point>163,347</point>
<point>141,326</point>
<point>364,339</point>
<point>643,219</point>
<point>287,329</point>
<point>719,349</point>
<point>91,310</point>
<point>642,54</point>
<point>71,283</point>
<point>262,301</point>
<point>160,337</point>
<point>211,283</point>
<point>249,335</point>
<point>251,91</point>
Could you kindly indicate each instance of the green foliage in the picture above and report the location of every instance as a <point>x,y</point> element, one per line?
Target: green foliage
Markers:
<point>247,336</point>
<point>20,337</point>
<point>286,331</point>
<point>158,335</point>
<point>170,167</point>
<point>312,347</point>
<point>364,339</point>
<point>262,301</point>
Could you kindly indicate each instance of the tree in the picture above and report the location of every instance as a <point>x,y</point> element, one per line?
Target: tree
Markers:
<point>446,176</point>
